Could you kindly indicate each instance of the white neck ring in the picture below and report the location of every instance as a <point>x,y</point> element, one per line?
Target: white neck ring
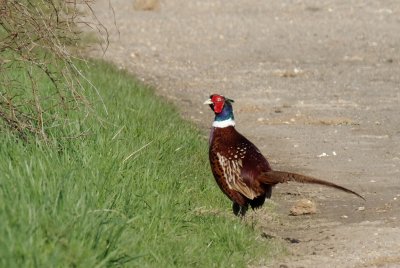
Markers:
<point>226,123</point>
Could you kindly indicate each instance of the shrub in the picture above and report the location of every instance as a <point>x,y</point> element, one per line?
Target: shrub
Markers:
<point>37,41</point>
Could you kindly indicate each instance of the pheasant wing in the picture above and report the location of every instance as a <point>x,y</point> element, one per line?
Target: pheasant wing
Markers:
<point>231,172</point>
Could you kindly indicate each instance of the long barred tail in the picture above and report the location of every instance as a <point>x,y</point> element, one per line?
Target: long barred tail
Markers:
<point>273,177</point>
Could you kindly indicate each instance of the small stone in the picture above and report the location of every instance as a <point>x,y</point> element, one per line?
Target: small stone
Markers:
<point>303,207</point>
<point>361,208</point>
<point>344,216</point>
<point>297,70</point>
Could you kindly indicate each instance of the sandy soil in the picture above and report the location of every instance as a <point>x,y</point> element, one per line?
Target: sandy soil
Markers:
<point>317,88</point>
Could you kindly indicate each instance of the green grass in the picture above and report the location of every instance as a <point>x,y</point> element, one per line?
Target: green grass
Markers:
<point>126,192</point>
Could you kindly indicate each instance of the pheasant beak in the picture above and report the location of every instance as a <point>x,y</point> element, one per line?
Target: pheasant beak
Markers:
<point>208,102</point>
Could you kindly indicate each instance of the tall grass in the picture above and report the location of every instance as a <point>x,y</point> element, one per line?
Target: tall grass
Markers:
<point>131,188</point>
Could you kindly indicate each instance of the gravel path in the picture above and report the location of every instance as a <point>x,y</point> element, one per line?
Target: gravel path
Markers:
<point>317,88</point>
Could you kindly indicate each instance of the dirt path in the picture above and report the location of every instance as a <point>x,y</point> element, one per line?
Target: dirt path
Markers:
<point>317,88</point>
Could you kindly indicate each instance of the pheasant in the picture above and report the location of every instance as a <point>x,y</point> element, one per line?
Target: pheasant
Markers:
<point>238,166</point>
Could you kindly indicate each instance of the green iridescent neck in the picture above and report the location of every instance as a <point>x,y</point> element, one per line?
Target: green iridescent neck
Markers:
<point>226,117</point>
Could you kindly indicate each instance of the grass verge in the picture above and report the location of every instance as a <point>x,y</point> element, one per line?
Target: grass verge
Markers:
<point>131,189</point>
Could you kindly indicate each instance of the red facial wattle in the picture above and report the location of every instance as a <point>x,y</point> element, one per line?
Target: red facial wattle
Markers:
<point>218,102</point>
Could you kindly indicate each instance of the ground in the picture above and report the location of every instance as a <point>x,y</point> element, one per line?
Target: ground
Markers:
<point>316,86</point>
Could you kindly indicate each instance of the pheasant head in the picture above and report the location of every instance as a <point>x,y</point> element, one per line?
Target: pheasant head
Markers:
<point>223,110</point>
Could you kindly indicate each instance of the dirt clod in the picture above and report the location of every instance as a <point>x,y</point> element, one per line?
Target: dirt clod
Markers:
<point>303,207</point>
<point>146,5</point>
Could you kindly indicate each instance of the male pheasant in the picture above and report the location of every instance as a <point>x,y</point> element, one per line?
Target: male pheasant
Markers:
<point>239,168</point>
